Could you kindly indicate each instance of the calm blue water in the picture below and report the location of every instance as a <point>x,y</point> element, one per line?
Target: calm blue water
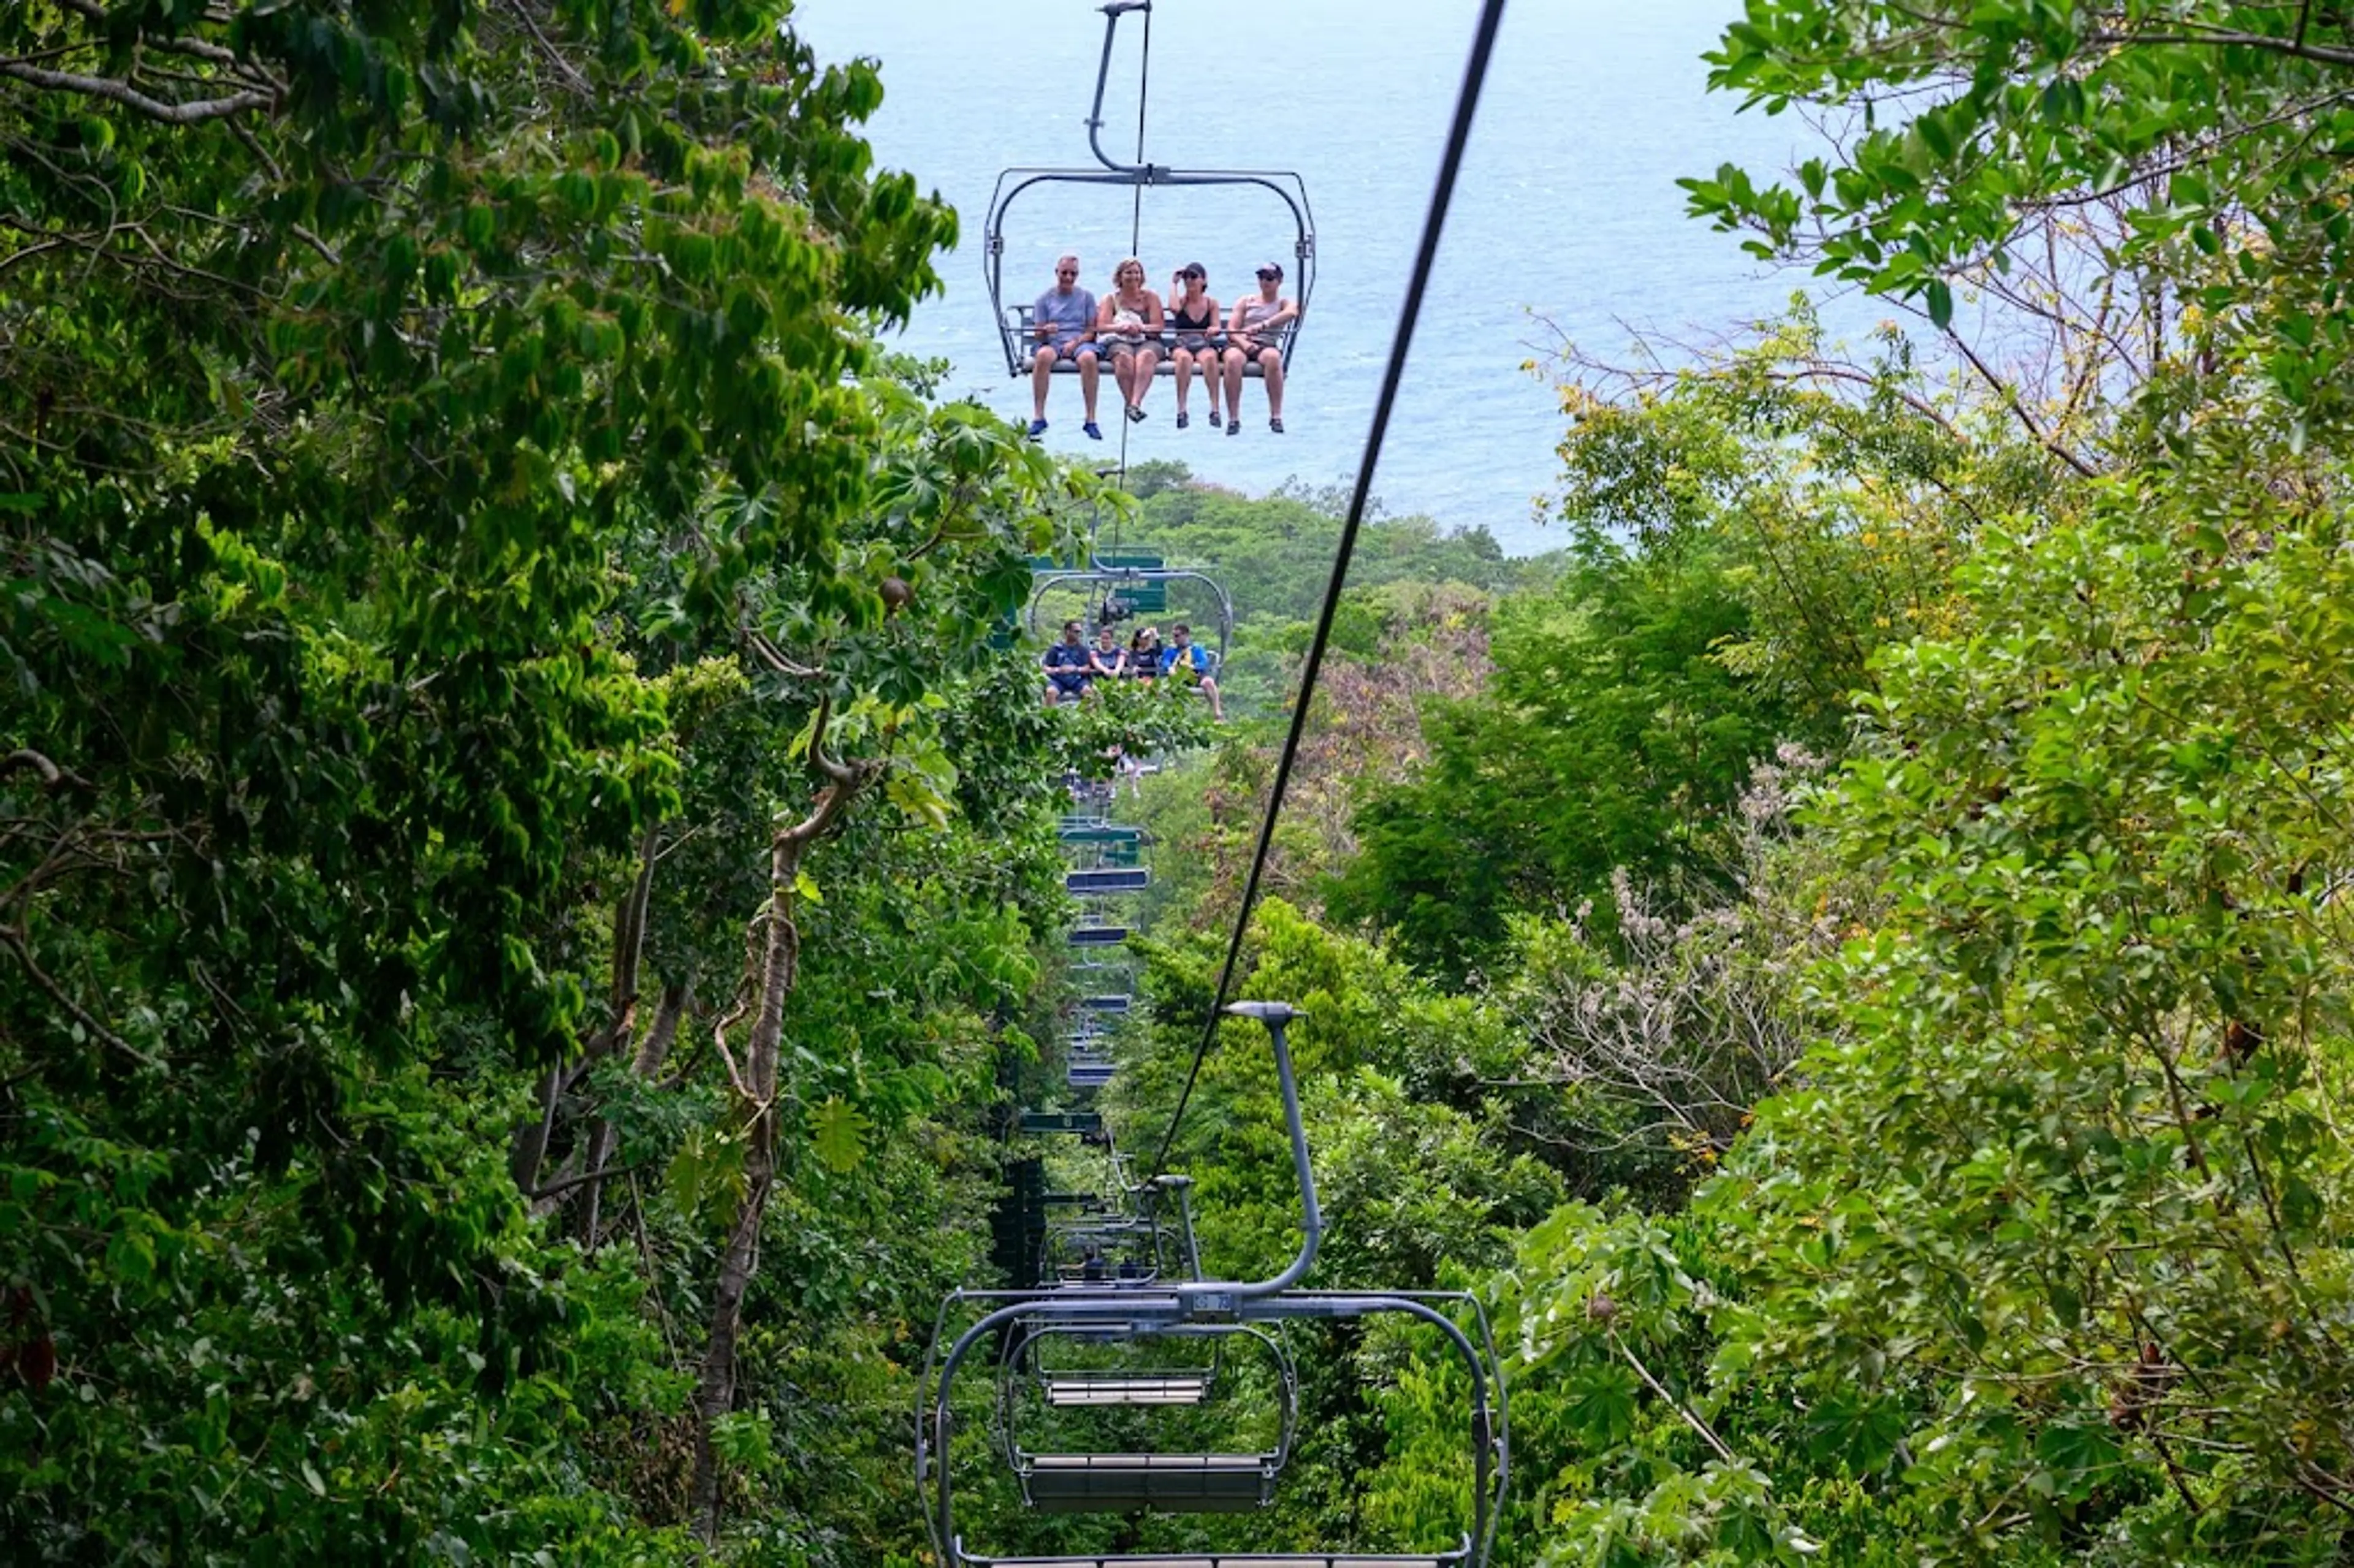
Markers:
<point>1567,210</point>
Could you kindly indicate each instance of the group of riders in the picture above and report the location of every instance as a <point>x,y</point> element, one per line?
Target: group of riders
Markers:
<point>1133,328</point>
<point>1073,667</point>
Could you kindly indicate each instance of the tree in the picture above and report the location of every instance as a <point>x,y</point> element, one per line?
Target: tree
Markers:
<point>435,441</point>
<point>1611,735</point>
<point>2127,181</point>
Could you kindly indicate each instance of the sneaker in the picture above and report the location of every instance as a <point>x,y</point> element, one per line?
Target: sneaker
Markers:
<point>1136,413</point>
<point>1234,427</point>
<point>1276,425</point>
<point>1037,428</point>
<point>1094,432</point>
<point>1183,418</point>
<point>1213,419</point>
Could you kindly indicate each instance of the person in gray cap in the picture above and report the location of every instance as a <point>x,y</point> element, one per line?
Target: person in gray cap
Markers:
<point>1256,332</point>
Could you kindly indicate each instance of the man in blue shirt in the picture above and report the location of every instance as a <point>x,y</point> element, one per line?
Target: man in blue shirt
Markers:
<point>1064,320</point>
<point>1194,662</point>
<point>1067,664</point>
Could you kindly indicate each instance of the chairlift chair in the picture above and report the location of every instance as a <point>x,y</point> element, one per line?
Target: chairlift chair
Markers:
<point>1206,1482</point>
<point>1013,316</point>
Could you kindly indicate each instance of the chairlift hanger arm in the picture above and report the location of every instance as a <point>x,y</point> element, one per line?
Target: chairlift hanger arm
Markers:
<point>1112,13</point>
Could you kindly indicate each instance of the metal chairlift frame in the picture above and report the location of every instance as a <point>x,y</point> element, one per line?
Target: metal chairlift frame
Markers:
<point>1285,185</point>
<point>1014,1377</point>
<point>1114,1312</point>
<point>1043,583</point>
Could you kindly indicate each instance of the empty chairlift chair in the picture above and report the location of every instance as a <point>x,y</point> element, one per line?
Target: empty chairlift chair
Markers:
<point>1206,1482</point>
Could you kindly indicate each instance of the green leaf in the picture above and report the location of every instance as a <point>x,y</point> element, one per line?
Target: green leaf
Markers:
<point>840,1132</point>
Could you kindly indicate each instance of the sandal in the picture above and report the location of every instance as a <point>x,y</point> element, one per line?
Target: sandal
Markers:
<point>1276,425</point>
<point>1136,413</point>
<point>1183,418</point>
<point>1234,427</point>
<point>1213,419</point>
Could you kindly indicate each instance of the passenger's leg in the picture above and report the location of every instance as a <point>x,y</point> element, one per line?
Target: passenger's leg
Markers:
<point>1271,363</point>
<point>1087,382</point>
<point>1042,370</point>
<point>1183,360</point>
<point>1210,690</point>
<point>1233,385</point>
<point>1148,360</point>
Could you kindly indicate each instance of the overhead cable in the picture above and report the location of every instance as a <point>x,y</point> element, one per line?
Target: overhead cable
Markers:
<point>1467,104</point>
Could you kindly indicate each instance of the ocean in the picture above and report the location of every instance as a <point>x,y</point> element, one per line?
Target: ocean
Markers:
<point>1567,220</point>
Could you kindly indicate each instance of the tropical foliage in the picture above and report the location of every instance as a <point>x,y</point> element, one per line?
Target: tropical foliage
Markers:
<point>529,881</point>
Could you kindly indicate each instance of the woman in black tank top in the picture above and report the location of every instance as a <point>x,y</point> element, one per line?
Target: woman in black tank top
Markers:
<point>1194,319</point>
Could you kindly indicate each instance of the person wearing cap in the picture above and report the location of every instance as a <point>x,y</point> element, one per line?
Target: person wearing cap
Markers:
<point>1063,318</point>
<point>1255,332</point>
<point>1187,659</point>
<point>1194,317</point>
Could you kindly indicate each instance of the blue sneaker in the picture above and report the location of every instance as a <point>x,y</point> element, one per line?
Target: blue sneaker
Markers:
<point>1037,428</point>
<point>1094,433</point>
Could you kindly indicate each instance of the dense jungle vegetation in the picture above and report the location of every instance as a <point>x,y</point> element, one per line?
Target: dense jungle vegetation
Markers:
<point>528,893</point>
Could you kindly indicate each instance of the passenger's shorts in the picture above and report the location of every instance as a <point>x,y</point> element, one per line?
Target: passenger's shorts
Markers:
<point>1122,348</point>
<point>1072,350</point>
<point>1196,342</point>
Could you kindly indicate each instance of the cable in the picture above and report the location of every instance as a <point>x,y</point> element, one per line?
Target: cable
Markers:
<point>1136,220</point>
<point>1467,104</point>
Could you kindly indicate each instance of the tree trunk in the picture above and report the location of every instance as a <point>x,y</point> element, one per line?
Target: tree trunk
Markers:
<point>757,1086</point>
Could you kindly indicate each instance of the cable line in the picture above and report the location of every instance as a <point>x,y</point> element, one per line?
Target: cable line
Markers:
<point>1467,104</point>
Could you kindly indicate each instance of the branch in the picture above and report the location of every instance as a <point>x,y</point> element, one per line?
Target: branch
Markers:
<point>2026,421</point>
<point>556,1188</point>
<point>774,657</point>
<point>15,942</point>
<point>2218,38</point>
<point>579,83</point>
<point>52,776</point>
<point>1691,1418</point>
<point>131,98</point>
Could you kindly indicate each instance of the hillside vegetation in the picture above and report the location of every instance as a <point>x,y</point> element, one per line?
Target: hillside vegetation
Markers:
<point>529,891</point>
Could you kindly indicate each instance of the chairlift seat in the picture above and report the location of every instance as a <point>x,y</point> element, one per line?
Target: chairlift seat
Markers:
<point>1115,879</point>
<point>1068,1389</point>
<point>1170,1483</point>
<point>1221,1560</point>
<point>1107,1003</point>
<point>1086,831</point>
<point>1018,318</point>
<point>1099,935</point>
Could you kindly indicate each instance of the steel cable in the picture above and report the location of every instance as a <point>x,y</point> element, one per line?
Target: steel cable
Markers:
<point>1442,193</point>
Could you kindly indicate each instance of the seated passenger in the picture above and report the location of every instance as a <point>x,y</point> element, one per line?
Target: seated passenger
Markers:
<point>1144,653</point>
<point>1062,319</point>
<point>1067,664</point>
<point>1193,318</point>
<point>1254,334</point>
<point>1092,1269</point>
<point>1130,1269</point>
<point>1188,660</point>
<point>1130,324</point>
<point>1107,660</point>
